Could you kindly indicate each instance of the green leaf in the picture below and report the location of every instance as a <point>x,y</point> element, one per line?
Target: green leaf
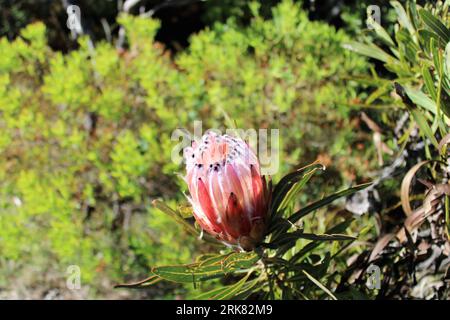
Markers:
<point>424,126</point>
<point>446,82</point>
<point>242,287</point>
<point>320,285</point>
<point>178,217</point>
<point>379,92</point>
<point>324,237</point>
<point>236,260</point>
<point>188,273</point>
<point>298,186</point>
<point>209,267</point>
<point>407,45</point>
<point>402,17</point>
<point>152,279</point>
<point>436,54</point>
<point>412,8</point>
<point>211,259</point>
<point>421,99</point>
<point>435,25</point>
<point>417,114</point>
<point>175,216</point>
<point>231,290</point>
<point>292,237</point>
<point>370,50</point>
<point>286,225</point>
<point>382,34</point>
<point>429,83</point>
<point>425,37</point>
<point>325,201</point>
<point>447,60</point>
<point>339,228</point>
<point>205,271</point>
<point>288,181</point>
<point>240,260</point>
<point>209,295</point>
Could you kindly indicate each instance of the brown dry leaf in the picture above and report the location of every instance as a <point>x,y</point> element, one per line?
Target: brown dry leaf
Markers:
<point>380,245</point>
<point>406,184</point>
<point>415,218</point>
<point>429,207</point>
<point>444,141</point>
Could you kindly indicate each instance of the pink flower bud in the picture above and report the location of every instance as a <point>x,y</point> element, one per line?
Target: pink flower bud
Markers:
<point>228,194</point>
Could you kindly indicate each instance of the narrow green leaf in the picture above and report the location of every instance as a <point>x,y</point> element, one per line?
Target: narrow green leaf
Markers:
<point>211,259</point>
<point>231,290</point>
<point>325,237</point>
<point>402,17</point>
<point>208,269</point>
<point>291,237</point>
<point>424,126</point>
<point>237,260</point>
<point>407,47</point>
<point>210,294</point>
<point>435,25</point>
<point>284,227</point>
<point>297,187</point>
<point>370,50</point>
<point>188,273</point>
<point>339,228</point>
<point>382,34</point>
<point>417,114</point>
<point>240,260</point>
<point>447,61</point>
<point>288,181</point>
<point>421,99</point>
<point>405,38</point>
<point>429,83</point>
<point>325,201</point>
<point>425,37</point>
<point>436,54</point>
<point>219,293</point>
<point>175,216</point>
<point>379,92</point>
<point>320,285</point>
<point>248,288</point>
<point>446,70</point>
<point>412,8</point>
<point>152,279</point>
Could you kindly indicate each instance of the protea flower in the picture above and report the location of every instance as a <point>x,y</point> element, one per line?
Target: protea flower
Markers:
<point>228,194</point>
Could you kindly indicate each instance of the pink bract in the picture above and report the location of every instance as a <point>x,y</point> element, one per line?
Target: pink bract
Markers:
<point>227,192</point>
